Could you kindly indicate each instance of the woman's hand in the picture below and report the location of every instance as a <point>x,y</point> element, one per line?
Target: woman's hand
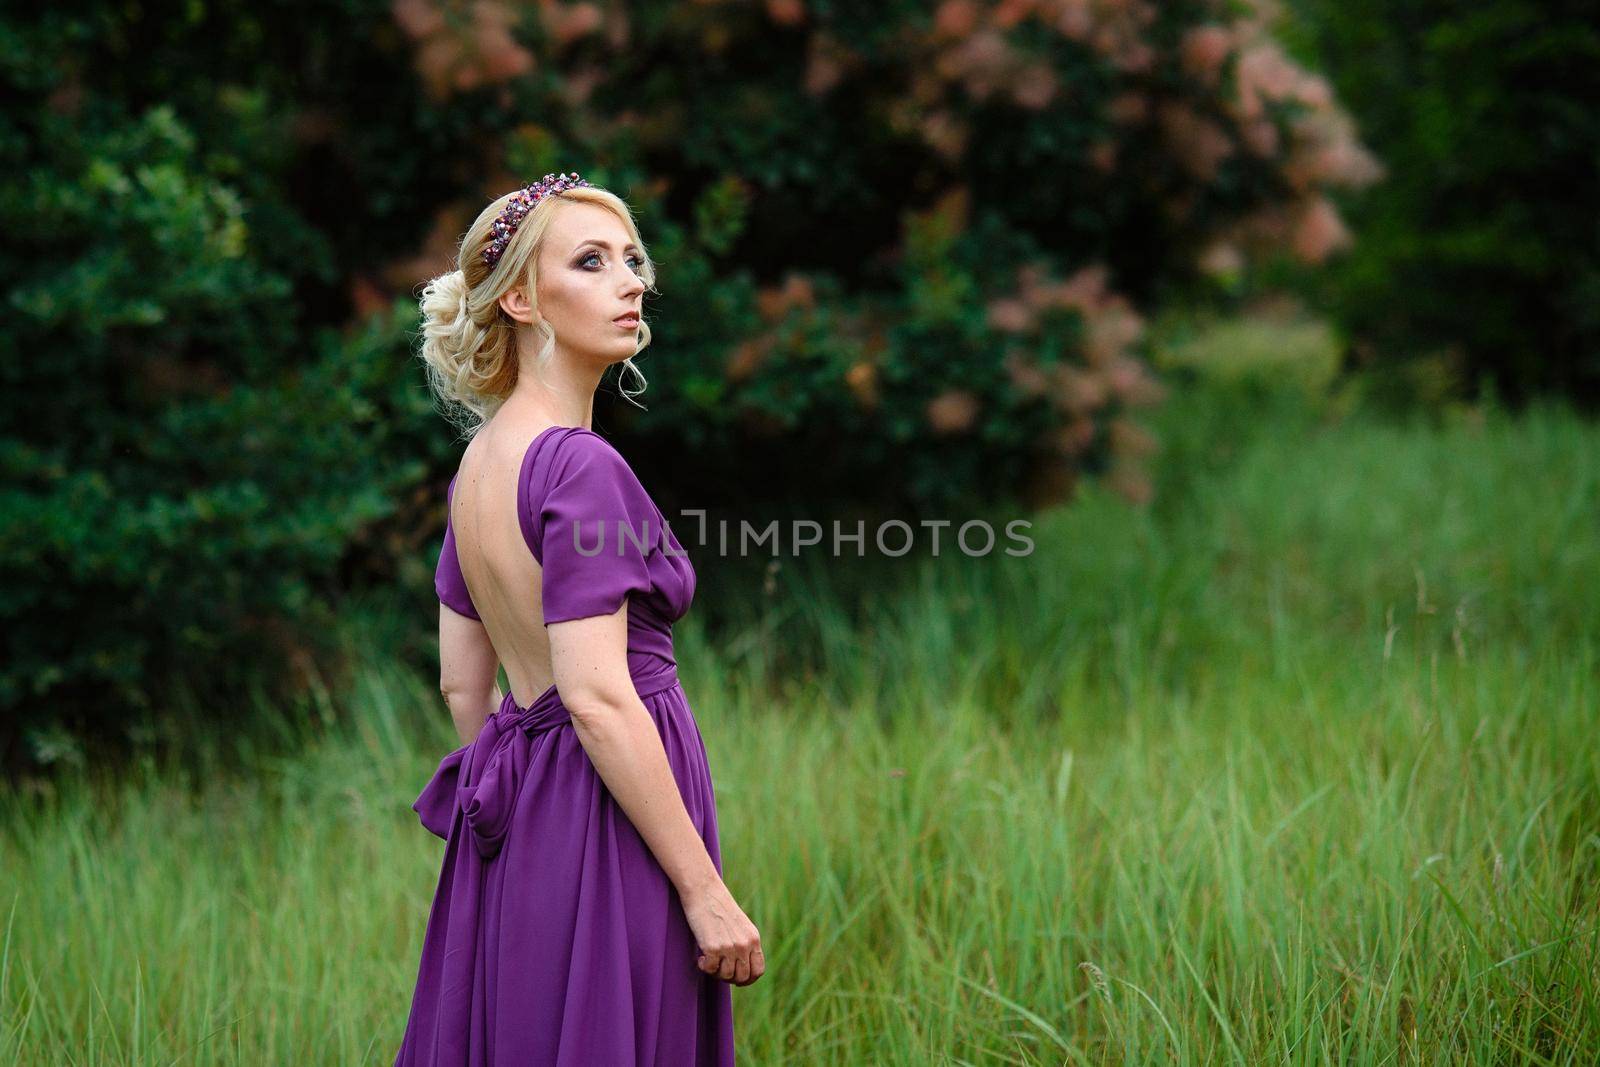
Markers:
<point>730,944</point>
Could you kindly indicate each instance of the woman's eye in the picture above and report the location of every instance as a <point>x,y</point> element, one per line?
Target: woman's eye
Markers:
<point>635,260</point>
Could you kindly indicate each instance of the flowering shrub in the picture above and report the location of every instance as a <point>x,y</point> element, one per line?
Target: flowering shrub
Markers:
<point>899,242</point>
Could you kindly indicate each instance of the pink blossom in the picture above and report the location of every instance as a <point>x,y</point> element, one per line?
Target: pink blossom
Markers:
<point>1011,315</point>
<point>944,134</point>
<point>1134,57</point>
<point>1125,109</point>
<point>1026,375</point>
<point>955,18</point>
<point>747,357</point>
<point>1076,436</point>
<point>1268,225</point>
<point>418,18</point>
<point>1132,383</point>
<point>1199,143</point>
<point>952,411</point>
<point>1204,50</point>
<point>1008,13</point>
<point>1084,290</point>
<point>437,59</point>
<point>1220,258</point>
<point>1319,231</point>
<point>1077,390</point>
<point>862,378</point>
<point>450,57</point>
<point>1260,136</point>
<point>825,63</point>
<point>786,12</point>
<point>774,302</point>
<point>1330,153</point>
<point>1314,91</point>
<point>567,23</point>
<point>1264,73</point>
<point>982,62</point>
<point>580,83</point>
<point>1034,87</point>
<point>1075,22</point>
<point>1111,330</point>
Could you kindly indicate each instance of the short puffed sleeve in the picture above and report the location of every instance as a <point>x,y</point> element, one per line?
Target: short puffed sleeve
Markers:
<point>448,581</point>
<point>597,528</point>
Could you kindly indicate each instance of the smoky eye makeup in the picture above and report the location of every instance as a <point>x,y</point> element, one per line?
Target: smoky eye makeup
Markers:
<point>584,258</point>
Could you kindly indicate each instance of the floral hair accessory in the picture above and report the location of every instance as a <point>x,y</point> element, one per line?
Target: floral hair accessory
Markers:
<point>505,227</point>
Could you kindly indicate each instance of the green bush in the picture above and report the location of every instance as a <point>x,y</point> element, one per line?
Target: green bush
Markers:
<point>190,456</point>
<point>1479,258</point>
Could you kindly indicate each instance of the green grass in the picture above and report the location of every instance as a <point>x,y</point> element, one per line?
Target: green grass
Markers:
<point>1299,766</point>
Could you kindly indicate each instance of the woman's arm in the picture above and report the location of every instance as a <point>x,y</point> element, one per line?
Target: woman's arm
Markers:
<point>469,672</point>
<point>590,662</point>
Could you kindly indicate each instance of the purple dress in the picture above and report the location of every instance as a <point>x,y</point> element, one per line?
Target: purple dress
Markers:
<point>555,937</point>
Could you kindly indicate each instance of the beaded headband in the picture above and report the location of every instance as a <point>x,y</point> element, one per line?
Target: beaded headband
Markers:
<point>505,227</point>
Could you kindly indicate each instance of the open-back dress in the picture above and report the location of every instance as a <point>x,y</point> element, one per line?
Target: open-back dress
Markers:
<point>555,937</point>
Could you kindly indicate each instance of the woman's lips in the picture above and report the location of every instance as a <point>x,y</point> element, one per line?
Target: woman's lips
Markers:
<point>627,322</point>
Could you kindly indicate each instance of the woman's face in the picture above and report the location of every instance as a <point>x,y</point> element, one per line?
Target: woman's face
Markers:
<point>588,277</point>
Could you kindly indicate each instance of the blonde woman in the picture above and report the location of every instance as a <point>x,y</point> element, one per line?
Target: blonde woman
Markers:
<point>580,916</point>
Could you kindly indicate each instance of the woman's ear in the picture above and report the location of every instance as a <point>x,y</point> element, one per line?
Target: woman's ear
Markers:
<point>514,302</point>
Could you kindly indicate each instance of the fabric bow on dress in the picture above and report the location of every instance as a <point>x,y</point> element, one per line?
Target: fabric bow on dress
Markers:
<point>480,779</point>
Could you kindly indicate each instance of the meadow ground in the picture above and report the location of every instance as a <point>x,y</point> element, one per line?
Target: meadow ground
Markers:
<point>1299,765</point>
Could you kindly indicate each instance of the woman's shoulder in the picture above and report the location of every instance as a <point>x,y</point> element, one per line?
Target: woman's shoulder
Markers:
<point>582,460</point>
<point>582,440</point>
<point>578,447</point>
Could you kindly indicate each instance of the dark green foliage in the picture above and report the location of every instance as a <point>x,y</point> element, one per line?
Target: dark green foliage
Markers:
<point>1478,259</point>
<point>189,452</point>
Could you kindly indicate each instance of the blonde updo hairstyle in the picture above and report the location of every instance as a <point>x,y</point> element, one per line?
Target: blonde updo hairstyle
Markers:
<point>469,342</point>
